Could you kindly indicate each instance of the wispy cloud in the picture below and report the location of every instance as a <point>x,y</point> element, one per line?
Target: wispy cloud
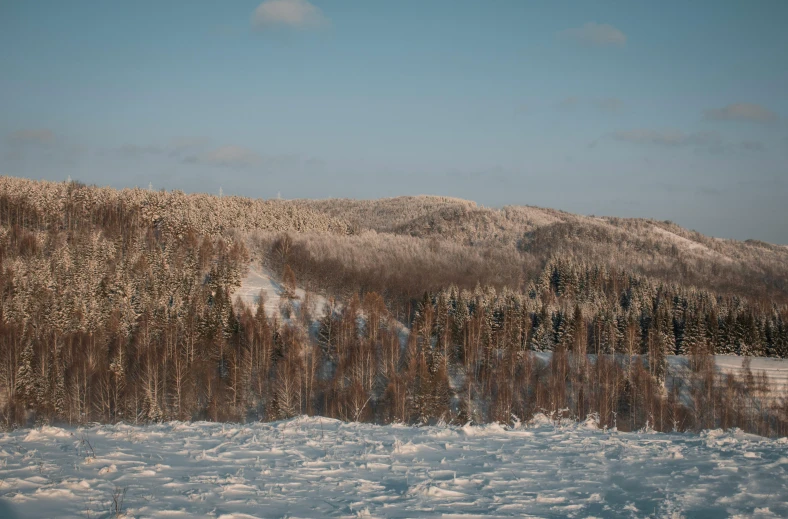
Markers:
<point>299,14</point>
<point>177,147</point>
<point>42,144</point>
<point>708,191</point>
<point>187,143</point>
<point>596,35</point>
<point>198,151</point>
<point>752,145</point>
<point>741,112</point>
<point>711,142</point>
<point>37,136</point>
<point>611,105</point>
<point>134,150</point>
<point>568,102</point>
<point>227,156</point>
<point>668,138</point>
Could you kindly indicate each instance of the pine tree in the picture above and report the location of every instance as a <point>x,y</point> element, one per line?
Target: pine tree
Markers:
<point>460,318</point>
<point>59,396</point>
<point>712,328</point>
<point>27,384</point>
<point>542,338</point>
<point>743,339</point>
<point>565,336</point>
<point>579,335</point>
<point>666,331</point>
<point>728,335</point>
<point>657,358</point>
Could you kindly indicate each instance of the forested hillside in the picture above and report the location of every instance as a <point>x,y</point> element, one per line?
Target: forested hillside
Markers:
<point>659,250</point>
<point>117,306</point>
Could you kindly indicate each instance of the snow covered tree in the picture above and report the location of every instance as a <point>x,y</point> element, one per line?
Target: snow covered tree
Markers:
<point>27,383</point>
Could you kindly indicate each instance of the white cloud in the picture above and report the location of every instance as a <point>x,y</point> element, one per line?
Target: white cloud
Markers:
<point>741,112</point>
<point>596,34</point>
<point>227,156</point>
<point>298,14</point>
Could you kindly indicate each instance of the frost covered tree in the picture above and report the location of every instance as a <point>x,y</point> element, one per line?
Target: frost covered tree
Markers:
<point>118,305</point>
<point>27,383</point>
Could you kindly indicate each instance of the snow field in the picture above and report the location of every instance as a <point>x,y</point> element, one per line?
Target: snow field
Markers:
<point>313,467</point>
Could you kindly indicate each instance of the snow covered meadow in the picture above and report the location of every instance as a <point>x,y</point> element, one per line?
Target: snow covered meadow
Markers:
<point>313,467</point>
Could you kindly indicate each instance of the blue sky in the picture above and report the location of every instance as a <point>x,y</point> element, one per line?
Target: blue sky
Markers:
<point>668,110</point>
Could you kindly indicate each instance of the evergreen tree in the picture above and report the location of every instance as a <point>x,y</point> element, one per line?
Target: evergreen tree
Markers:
<point>27,383</point>
<point>542,337</point>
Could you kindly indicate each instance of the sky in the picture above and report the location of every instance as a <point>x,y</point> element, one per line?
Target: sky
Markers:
<point>666,110</point>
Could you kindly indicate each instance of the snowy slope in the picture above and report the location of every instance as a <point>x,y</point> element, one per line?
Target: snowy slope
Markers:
<point>775,369</point>
<point>256,281</point>
<point>262,280</point>
<point>310,467</point>
<point>259,280</point>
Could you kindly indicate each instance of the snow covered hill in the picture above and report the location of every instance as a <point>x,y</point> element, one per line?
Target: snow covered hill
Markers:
<point>312,467</point>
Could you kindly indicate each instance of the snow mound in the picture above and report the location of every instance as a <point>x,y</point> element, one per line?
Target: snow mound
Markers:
<point>47,431</point>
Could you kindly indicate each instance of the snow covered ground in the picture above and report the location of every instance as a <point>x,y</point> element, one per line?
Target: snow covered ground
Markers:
<point>259,280</point>
<point>311,467</point>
